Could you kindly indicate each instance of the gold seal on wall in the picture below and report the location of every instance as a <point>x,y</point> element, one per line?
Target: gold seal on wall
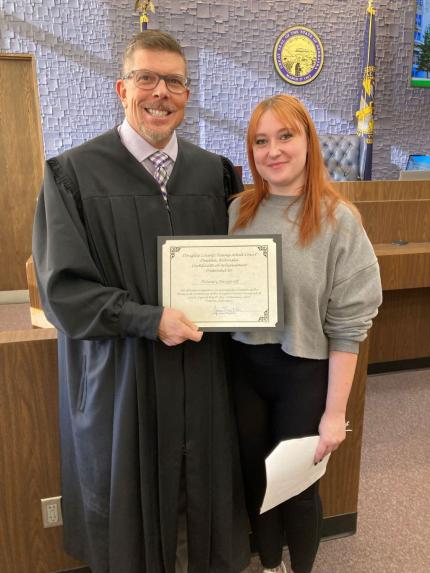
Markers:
<point>298,55</point>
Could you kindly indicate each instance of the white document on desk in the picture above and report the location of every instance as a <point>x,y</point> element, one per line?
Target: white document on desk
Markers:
<point>290,469</point>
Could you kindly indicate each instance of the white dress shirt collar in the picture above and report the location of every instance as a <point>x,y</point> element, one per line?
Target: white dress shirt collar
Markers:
<point>142,149</point>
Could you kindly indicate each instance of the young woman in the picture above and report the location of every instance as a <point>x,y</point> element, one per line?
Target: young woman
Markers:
<point>296,382</point>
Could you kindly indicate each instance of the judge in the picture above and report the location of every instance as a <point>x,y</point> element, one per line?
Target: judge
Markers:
<point>147,441</point>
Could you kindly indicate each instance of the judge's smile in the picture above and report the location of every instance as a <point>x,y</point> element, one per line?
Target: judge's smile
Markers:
<point>160,111</point>
<point>157,112</point>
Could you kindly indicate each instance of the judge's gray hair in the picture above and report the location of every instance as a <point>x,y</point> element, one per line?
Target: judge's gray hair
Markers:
<point>155,40</point>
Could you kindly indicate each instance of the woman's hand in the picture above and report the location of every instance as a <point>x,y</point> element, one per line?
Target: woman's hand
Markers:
<point>332,431</point>
<point>332,428</point>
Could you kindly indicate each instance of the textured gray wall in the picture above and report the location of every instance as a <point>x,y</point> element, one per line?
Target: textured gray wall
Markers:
<point>229,46</point>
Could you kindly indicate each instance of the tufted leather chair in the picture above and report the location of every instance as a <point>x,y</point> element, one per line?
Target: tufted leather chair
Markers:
<point>341,155</point>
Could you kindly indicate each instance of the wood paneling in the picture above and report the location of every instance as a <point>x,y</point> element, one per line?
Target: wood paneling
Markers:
<point>339,487</point>
<point>29,452</point>
<point>21,165</point>
<point>401,331</point>
<point>33,291</point>
<point>38,318</point>
<point>388,221</point>
<point>404,267</point>
<point>383,190</point>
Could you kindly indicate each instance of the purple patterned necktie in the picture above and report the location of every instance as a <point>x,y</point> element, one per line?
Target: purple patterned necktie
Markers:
<point>161,160</point>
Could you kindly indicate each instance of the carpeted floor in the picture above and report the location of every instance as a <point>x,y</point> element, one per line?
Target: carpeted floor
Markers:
<point>394,502</point>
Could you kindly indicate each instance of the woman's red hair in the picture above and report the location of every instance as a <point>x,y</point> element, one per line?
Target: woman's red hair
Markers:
<point>317,190</point>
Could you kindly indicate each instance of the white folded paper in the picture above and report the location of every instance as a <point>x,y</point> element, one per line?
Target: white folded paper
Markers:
<point>290,469</point>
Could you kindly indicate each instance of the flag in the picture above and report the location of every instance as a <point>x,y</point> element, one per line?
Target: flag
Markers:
<point>364,115</point>
<point>142,7</point>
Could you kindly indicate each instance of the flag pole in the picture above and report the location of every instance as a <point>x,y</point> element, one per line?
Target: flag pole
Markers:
<point>365,113</point>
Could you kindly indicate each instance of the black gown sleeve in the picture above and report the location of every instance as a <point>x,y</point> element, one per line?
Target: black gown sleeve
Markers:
<point>232,181</point>
<point>73,294</point>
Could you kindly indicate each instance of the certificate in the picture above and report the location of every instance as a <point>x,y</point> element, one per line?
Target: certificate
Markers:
<point>223,283</point>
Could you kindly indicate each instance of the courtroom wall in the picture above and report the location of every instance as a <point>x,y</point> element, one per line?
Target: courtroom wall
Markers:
<point>229,46</point>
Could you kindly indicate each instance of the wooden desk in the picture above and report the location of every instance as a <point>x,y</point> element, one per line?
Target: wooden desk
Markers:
<point>401,333</point>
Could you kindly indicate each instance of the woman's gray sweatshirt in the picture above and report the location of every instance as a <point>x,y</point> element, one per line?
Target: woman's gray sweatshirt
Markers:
<point>332,287</point>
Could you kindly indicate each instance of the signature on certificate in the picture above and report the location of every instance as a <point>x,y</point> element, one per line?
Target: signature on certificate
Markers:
<point>226,310</point>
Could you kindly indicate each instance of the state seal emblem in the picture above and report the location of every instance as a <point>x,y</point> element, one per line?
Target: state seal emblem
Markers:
<point>298,55</point>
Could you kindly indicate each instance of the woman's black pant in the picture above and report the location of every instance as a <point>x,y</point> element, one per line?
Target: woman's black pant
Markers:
<point>278,396</point>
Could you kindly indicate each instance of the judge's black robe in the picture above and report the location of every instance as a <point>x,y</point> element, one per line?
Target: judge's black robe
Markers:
<point>133,410</point>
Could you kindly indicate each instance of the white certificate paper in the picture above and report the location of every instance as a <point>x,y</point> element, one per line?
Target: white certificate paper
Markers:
<point>223,283</point>
<point>290,469</point>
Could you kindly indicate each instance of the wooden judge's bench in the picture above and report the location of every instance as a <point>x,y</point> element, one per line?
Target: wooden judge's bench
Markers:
<point>393,212</point>
<point>396,215</point>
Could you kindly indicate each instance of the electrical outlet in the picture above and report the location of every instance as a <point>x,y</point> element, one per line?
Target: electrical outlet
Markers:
<point>51,511</point>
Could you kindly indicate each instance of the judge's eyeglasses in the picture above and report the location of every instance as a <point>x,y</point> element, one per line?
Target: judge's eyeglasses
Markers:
<point>147,80</point>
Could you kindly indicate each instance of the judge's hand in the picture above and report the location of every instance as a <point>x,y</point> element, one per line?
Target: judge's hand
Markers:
<point>332,431</point>
<point>175,328</point>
